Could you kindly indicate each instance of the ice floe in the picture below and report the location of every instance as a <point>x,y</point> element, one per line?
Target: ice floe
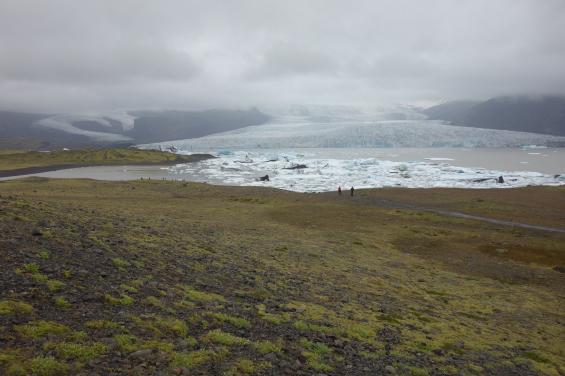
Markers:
<point>306,173</point>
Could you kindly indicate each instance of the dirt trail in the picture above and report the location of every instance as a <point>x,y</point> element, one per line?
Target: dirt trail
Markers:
<point>399,205</point>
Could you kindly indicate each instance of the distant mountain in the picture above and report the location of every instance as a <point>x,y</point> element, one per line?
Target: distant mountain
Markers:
<point>453,112</point>
<point>20,130</point>
<point>174,125</point>
<point>543,114</point>
<point>42,131</point>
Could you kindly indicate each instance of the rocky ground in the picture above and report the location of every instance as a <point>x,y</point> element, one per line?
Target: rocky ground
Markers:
<point>172,278</point>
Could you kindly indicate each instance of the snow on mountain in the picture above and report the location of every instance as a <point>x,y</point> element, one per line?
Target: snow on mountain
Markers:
<point>65,122</point>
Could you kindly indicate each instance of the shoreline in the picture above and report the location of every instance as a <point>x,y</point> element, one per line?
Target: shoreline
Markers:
<point>40,169</point>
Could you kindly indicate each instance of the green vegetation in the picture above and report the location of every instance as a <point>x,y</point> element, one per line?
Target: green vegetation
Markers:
<point>201,296</point>
<point>222,338</point>
<point>129,343</point>
<point>120,263</point>
<point>30,268</point>
<point>54,285</point>
<point>164,276</point>
<point>96,157</point>
<point>15,307</point>
<point>61,302</point>
<point>41,328</point>
<point>266,347</point>
<point>80,352</point>
<point>316,355</point>
<point>173,326</point>
<point>47,366</point>
<point>122,300</point>
<point>247,367</point>
<point>193,359</point>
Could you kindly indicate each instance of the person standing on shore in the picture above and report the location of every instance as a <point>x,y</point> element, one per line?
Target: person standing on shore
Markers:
<point>339,190</point>
<point>352,190</point>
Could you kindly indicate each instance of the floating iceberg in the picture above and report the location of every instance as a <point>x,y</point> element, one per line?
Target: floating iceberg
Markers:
<point>326,174</point>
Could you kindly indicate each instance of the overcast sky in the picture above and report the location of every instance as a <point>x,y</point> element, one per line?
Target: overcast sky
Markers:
<point>75,56</point>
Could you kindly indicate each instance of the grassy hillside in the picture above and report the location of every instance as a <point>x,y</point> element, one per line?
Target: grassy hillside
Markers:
<point>155,277</point>
<point>10,162</point>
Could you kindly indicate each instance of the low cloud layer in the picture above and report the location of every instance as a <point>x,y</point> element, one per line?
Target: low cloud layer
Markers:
<point>75,56</point>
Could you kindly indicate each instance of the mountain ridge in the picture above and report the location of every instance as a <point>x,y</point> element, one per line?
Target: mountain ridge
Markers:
<point>43,131</point>
<point>538,114</point>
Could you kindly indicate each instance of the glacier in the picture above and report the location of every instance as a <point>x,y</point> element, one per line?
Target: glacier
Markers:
<point>296,134</point>
<point>348,126</point>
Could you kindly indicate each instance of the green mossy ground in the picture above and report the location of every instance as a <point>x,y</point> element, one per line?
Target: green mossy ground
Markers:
<point>135,278</point>
<point>13,161</point>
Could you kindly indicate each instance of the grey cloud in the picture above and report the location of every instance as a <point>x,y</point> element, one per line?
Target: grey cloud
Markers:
<point>89,64</point>
<point>283,59</point>
<point>66,55</point>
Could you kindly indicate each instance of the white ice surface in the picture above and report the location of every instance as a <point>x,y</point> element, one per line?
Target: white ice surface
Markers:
<point>244,168</point>
<point>248,153</point>
<point>363,129</point>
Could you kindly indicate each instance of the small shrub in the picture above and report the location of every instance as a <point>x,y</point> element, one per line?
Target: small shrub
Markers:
<point>126,342</point>
<point>222,338</point>
<point>54,285</point>
<point>316,354</point>
<point>41,328</point>
<point>126,300</point>
<point>123,300</point>
<point>61,302</point>
<point>155,302</point>
<point>129,343</point>
<point>200,296</point>
<point>31,268</point>
<point>78,336</point>
<point>14,307</point>
<point>120,262</point>
<point>47,366</point>
<point>83,353</point>
<point>245,367</point>
<point>128,288</point>
<point>171,325</point>
<point>192,359</point>
<point>266,347</point>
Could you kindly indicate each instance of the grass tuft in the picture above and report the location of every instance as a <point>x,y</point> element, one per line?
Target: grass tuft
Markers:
<point>47,366</point>
<point>15,307</point>
<point>222,338</point>
<point>41,328</point>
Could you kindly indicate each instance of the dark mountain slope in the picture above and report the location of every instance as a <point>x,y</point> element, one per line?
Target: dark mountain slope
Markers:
<point>453,112</point>
<point>19,130</point>
<point>544,114</point>
<point>174,125</point>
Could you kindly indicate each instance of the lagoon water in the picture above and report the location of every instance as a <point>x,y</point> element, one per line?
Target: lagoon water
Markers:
<point>326,168</point>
